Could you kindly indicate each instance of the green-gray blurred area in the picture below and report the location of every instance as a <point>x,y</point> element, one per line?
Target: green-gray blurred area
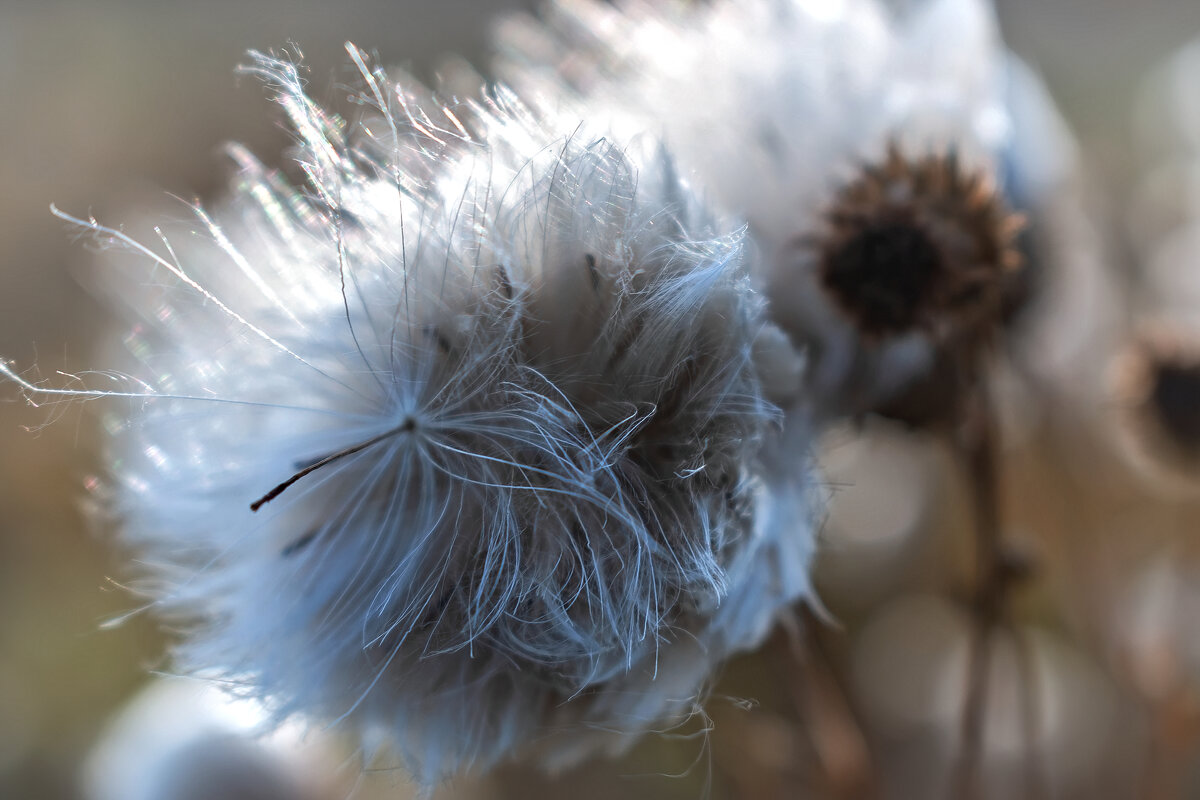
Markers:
<point>107,107</point>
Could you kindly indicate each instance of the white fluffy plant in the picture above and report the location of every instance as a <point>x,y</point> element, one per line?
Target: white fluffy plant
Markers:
<point>818,119</point>
<point>465,443</point>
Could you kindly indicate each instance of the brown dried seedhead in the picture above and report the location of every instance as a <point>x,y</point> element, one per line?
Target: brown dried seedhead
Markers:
<point>1156,383</point>
<point>919,245</point>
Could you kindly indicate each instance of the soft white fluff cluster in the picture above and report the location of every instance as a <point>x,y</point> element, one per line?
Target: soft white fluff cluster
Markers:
<point>465,441</point>
<point>776,104</point>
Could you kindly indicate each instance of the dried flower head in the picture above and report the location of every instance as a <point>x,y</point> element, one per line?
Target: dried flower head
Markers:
<point>466,443</point>
<point>918,245</point>
<point>1155,383</point>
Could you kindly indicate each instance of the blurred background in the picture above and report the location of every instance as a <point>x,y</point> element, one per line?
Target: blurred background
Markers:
<point>109,105</point>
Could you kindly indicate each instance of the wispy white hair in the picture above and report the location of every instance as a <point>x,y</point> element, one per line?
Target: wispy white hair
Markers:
<point>774,105</point>
<point>466,441</point>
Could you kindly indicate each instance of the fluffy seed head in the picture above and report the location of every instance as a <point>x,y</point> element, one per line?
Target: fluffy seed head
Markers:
<point>466,441</point>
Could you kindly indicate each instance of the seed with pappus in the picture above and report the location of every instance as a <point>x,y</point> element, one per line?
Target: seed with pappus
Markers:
<point>469,443</point>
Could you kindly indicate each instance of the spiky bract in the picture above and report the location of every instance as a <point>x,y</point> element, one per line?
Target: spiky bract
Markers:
<point>917,244</point>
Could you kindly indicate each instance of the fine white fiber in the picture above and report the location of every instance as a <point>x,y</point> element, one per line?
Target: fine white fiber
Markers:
<point>469,442</point>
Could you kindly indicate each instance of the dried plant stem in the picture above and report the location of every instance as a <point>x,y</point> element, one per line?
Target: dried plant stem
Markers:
<point>836,734</point>
<point>976,445</point>
<point>1031,713</point>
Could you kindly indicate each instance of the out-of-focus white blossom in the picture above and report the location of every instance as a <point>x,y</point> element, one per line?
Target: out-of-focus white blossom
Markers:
<point>777,105</point>
<point>1154,375</point>
<point>1070,318</point>
<point>182,739</point>
<point>472,442</point>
